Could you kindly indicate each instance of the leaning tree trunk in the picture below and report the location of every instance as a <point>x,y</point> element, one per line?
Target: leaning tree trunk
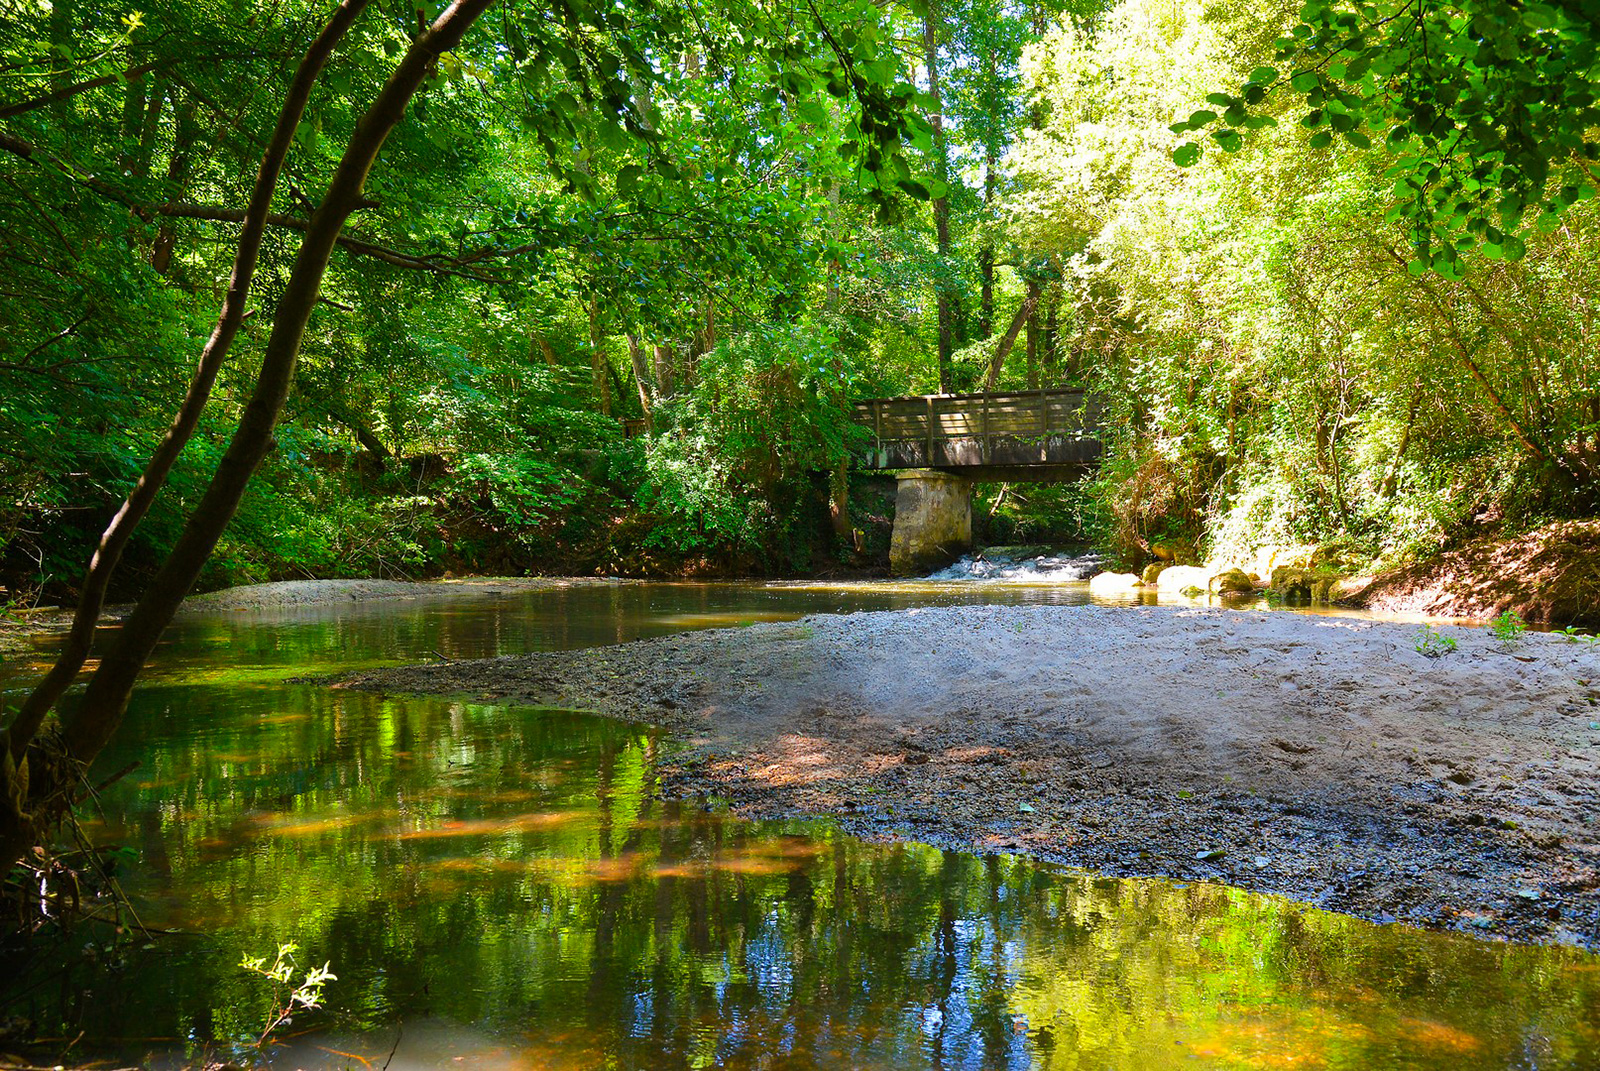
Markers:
<point>998,361</point>
<point>641,380</point>
<point>75,650</point>
<point>106,699</point>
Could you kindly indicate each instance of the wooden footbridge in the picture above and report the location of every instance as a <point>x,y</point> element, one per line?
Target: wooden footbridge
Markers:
<point>1033,436</point>
<point>943,443</point>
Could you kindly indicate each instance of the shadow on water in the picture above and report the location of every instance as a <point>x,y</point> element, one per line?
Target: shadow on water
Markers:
<point>505,888</point>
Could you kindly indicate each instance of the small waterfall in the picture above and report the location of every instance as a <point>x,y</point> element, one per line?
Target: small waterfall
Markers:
<point>1022,564</point>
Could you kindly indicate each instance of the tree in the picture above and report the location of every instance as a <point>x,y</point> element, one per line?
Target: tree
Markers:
<point>1486,109</point>
<point>577,71</point>
<point>1278,375</point>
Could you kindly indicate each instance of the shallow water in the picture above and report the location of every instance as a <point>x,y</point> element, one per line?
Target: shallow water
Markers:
<point>503,888</point>
<point>1022,565</point>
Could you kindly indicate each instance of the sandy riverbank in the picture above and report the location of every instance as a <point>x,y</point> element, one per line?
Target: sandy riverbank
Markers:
<point>1319,757</point>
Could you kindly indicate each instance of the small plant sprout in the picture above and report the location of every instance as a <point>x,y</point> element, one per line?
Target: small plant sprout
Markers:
<point>287,998</point>
<point>1431,644</point>
<point>1507,628</point>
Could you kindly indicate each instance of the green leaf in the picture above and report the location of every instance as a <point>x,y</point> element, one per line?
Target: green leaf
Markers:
<point>1186,154</point>
<point>1264,75</point>
<point>1201,118</point>
<point>921,133</point>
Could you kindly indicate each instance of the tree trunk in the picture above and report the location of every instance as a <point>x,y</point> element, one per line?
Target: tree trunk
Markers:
<point>62,35</point>
<point>75,649</point>
<point>986,253</point>
<point>1391,476</point>
<point>149,126</point>
<point>666,374</point>
<point>1531,442</point>
<point>986,241</point>
<point>1052,339</point>
<point>178,168</point>
<point>839,506</point>
<point>133,107</point>
<point>641,379</point>
<point>339,410</point>
<point>106,698</point>
<point>948,302</point>
<point>1033,338</point>
<point>598,363</point>
<point>542,345</point>
<point>1002,351</point>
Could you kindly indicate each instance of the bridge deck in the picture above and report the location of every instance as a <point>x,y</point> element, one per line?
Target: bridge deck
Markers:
<point>1019,435</point>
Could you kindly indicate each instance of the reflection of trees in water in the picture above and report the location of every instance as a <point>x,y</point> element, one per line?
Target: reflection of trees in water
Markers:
<point>516,870</point>
<point>479,621</point>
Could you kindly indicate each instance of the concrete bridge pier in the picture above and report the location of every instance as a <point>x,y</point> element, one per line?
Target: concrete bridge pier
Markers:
<point>932,521</point>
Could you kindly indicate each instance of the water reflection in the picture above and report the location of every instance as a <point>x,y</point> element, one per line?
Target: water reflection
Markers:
<point>247,648</point>
<point>510,883</point>
<point>508,887</point>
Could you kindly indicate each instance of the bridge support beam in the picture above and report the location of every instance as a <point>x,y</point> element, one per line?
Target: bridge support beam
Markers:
<point>932,521</point>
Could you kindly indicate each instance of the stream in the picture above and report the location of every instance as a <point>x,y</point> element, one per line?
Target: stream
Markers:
<point>504,888</point>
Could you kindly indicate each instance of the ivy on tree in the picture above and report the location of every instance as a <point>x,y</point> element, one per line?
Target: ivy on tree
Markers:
<point>1486,110</point>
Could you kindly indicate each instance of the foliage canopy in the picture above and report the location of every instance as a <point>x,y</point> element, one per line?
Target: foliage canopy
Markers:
<point>1485,109</point>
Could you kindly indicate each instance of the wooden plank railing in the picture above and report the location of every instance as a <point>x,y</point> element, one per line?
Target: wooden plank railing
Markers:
<point>950,416</point>
<point>1034,428</point>
<point>1039,427</point>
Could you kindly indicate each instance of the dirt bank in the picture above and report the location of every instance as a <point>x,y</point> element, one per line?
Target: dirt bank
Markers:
<point>1319,757</point>
<point>1550,574</point>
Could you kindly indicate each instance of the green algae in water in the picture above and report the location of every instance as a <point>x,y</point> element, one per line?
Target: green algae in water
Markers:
<point>508,887</point>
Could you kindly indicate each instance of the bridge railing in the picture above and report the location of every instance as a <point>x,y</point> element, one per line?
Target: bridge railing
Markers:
<point>1036,427</point>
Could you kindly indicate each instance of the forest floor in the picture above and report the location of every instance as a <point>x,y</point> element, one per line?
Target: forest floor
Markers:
<point>1323,758</point>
